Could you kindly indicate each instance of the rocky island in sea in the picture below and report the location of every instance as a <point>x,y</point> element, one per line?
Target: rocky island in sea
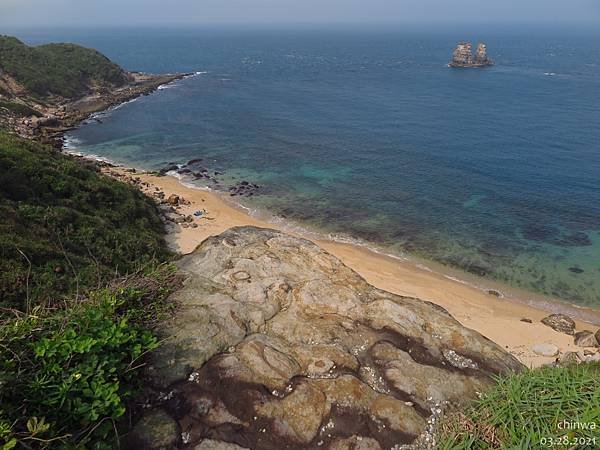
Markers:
<point>463,57</point>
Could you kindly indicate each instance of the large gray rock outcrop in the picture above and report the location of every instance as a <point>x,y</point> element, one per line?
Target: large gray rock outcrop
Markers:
<point>277,344</point>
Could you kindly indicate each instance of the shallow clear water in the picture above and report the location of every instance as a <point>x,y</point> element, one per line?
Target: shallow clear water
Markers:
<point>370,134</point>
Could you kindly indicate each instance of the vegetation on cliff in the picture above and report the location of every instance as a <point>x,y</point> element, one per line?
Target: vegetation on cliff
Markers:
<point>66,70</point>
<point>82,279</point>
<point>66,228</point>
<point>68,374</point>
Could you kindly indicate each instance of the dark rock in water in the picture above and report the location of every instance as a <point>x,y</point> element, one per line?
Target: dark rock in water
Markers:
<point>552,235</point>
<point>170,168</point>
<point>577,239</point>
<point>576,270</point>
<point>585,339</point>
<point>276,344</point>
<point>477,270</point>
<point>218,173</point>
<point>244,188</point>
<point>560,323</point>
<point>191,162</point>
<point>184,170</point>
<point>540,233</point>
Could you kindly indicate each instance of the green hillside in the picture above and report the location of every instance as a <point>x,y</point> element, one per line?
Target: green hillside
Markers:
<point>65,227</point>
<point>66,70</point>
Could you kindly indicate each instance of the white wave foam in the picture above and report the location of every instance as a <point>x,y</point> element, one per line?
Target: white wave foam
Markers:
<point>71,142</point>
<point>91,156</point>
<point>174,84</point>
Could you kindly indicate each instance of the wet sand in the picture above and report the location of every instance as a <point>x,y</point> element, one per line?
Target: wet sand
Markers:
<point>499,319</point>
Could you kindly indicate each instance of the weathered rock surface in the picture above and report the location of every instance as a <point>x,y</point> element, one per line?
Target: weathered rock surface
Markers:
<point>276,344</point>
<point>156,430</point>
<point>560,323</point>
<point>585,339</point>
<point>545,349</point>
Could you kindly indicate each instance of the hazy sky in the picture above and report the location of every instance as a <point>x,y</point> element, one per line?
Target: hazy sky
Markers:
<point>139,12</point>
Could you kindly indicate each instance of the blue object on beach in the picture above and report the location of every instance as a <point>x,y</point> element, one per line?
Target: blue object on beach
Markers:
<point>198,213</point>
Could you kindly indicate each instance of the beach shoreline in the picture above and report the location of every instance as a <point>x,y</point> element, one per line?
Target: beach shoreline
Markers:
<point>508,321</point>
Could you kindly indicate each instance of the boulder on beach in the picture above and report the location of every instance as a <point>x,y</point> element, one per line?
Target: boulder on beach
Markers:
<point>277,344</point>
<point>560,323</point>
<point>545,349</point>
<point>585,338</point>
<point>173,200</point>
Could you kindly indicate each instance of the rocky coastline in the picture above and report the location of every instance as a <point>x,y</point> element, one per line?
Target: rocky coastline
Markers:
<point>58,115</point>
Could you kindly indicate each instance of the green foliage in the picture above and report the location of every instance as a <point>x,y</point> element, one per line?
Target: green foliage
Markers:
<point>528,410</point>
<point>67,374</point>
<point>65,227</point>
<point>19,109</point>
<point>67,70</point>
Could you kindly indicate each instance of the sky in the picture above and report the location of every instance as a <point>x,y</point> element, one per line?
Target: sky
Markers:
<point>19,13</point>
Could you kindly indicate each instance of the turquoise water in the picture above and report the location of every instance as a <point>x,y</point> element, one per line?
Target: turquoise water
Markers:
<point>369,134</point>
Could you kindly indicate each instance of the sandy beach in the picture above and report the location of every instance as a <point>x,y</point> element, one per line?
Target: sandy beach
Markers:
<point>513,325</point>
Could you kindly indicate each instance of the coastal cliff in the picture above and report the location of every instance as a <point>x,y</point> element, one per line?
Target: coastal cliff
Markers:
<point>49,89</point>
<point>277,344</point>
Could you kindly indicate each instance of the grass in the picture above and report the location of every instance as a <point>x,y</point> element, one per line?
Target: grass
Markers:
<point>66,70</point>
<point>65,227</point>
<point>528,410</point>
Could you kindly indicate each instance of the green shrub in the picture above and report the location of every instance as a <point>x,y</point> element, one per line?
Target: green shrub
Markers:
<point>526,411</point>
<point>65,227</point>
<point>67,374</point>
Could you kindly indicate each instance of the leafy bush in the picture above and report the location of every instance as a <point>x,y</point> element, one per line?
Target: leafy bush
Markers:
<point>526,411</point>
<point>66,375</point>
<point>65,227</point>
<point>67,70</point>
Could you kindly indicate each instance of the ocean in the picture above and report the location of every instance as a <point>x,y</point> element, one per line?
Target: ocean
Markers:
<point>368,135</point>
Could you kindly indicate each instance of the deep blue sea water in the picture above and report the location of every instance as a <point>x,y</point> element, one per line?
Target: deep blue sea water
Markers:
<point>369,134</point>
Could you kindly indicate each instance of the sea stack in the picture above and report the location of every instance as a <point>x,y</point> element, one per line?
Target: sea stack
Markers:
<point>463,57</point>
